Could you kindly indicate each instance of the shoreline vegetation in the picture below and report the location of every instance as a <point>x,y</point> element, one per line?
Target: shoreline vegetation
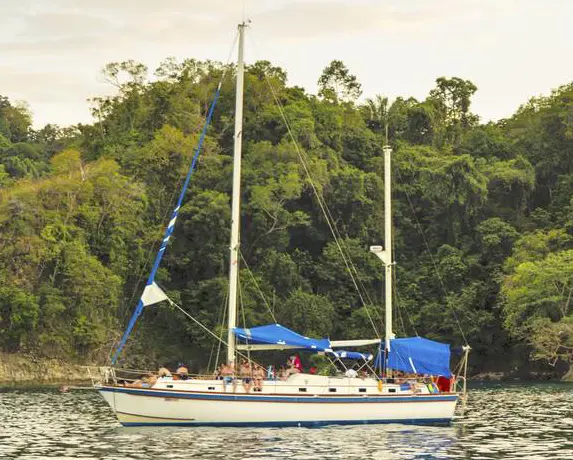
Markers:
<point>22,370</point>
<point>483,217</point>
<point>17,369</point>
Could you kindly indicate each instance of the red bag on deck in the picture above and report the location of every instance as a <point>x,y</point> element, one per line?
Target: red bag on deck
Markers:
<point>444,384</point>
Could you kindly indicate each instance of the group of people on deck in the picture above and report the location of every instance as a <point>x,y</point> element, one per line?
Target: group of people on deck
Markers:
<point>148,380</point>
<point>249,373</point>
<point>252,374</point>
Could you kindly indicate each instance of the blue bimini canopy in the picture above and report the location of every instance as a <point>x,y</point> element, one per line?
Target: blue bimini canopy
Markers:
<point>343,354</point>
<point>275,334</point>
<point>420,356</point>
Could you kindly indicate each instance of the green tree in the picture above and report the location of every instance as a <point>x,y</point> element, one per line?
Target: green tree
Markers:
<point>337,84</point>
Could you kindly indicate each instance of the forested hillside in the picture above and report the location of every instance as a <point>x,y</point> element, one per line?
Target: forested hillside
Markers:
<point>483,217</point>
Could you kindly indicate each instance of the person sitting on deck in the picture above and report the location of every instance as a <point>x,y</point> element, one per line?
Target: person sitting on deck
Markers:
<point>296,362</point>
<point>145,382</point>
<point>282,374</point>
<point>182,372</point>
<point>245,372</point>
<point>258,377</point>
<point>163,372</point>
<point>292,368</point>
<point>217,373</point>
<point>227,372</point>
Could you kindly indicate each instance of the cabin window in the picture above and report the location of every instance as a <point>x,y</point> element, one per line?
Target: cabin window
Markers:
<point>332,390</point>
<point>210,388</point>
<point>302,390</point>
<point>391,390</point>
<point>361,390</point>
<point>169,386</point>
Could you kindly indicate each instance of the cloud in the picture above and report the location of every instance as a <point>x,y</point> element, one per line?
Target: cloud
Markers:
<point>53,50</point>
<point>316,19</point>
<point>43,86</point>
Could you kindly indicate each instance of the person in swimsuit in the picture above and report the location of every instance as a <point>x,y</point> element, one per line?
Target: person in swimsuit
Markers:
<point>227,372</point>
<point>182,372</point>
<point>245,372</point>
<point>145,382</point>
<point>163,372</point>
<point>258,377</point>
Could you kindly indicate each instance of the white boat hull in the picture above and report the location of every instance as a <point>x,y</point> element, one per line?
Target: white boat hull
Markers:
<point>136,407</point>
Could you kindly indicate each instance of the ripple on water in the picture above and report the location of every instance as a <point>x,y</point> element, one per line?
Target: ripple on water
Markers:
<point>515,421</point>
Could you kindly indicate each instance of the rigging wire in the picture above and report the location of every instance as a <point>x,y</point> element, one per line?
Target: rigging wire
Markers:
<point>172,199</point>
<point>222,332</point>
<point>202,326</point>
<point>220,320</point>
<point>257,287</point>
<point>242,307</point>
<point>226,68</point>
<point>355,270</point>
<point>321,202</point>
<point>436,270</point>
<point>398,311</point>
<point>408,316</point>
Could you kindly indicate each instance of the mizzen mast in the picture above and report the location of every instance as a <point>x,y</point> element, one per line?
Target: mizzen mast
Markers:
<point>385,254</point>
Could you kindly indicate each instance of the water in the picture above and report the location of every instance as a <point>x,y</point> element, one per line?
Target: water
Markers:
<point>516,422</point>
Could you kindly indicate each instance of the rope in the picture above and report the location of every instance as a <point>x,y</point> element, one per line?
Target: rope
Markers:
<point>242,307</point>
<point>258,288</point>
<point>395,283</point>
<point>407,312</point>
<point>222,327</point>
<point>321,202</point>
<point>399,314</point>
<point>206,329</point>
<point>169,229</point>
<point>221,319</point>
<point>348,255</point>
<point>421,231</point>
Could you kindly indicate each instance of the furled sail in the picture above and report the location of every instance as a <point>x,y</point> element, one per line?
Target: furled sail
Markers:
<point>152,293</point>
<point>419,356</point>
<point>275,334</point>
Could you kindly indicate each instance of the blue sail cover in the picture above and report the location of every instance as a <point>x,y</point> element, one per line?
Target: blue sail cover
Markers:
<point>275,334</point>
<point>420,356</point>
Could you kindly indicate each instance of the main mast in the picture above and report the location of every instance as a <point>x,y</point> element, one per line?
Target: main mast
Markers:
<point>388,242</point>
<point>236,200</point>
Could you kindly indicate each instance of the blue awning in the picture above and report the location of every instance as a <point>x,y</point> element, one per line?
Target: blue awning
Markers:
<point>275,334</point>
<point>420,356</point>
<point>343,354</point>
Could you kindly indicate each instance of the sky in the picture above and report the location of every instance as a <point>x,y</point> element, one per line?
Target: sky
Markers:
<point>52,51</point>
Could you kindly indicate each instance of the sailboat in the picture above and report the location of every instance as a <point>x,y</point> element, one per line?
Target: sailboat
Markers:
<point>302,399</point>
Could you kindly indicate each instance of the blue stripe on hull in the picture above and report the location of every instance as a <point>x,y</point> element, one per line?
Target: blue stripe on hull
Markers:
<point>306,424</point>
<point>284,399</point>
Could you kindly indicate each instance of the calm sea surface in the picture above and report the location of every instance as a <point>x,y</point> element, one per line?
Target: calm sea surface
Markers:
<point>526,421</point>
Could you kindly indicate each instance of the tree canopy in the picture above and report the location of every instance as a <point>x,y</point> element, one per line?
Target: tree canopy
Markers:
<point>483,216</point>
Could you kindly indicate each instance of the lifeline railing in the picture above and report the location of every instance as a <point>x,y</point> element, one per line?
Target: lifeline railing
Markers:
<point>117,376</point>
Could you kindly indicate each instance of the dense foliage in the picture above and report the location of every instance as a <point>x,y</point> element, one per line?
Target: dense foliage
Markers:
<point>483,217</point>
